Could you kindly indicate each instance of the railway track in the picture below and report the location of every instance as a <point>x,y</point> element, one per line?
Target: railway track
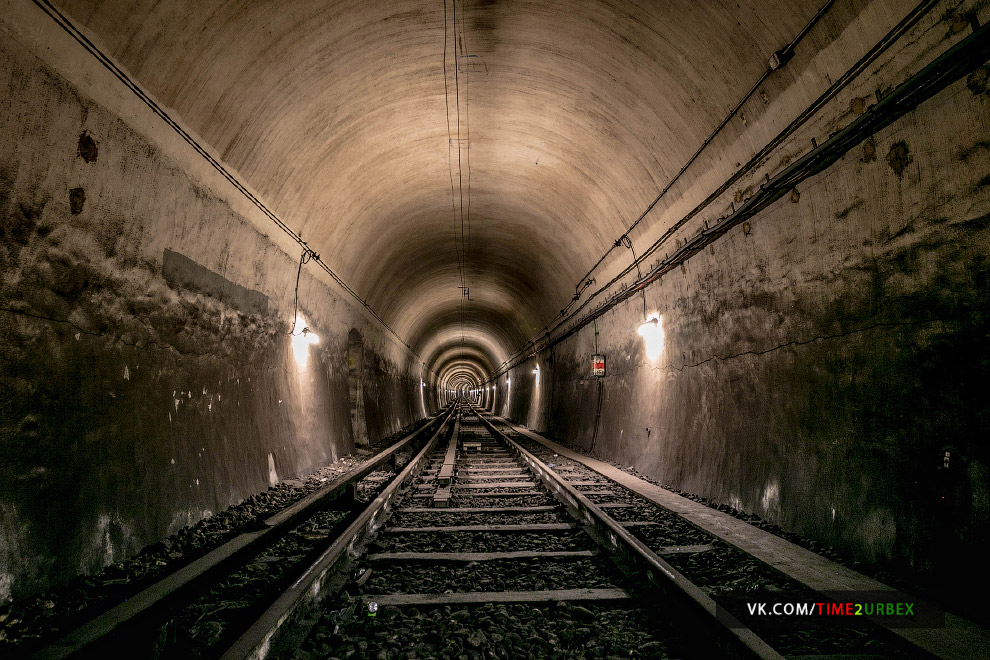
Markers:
<point>479,559</point>
<point>519,537</point>
<point>485,543</point>
<point>706,568</point>
<point>201,606</point>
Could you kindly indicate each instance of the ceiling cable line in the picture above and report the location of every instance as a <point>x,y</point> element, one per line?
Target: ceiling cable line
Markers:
<point>450,168</point>
<point>906,23</point>
<point>460,169</point>
<point>778,59</point>
<point>467,117</point>
<point>899,30</point>
<point>66,24</point>
<point>456,198</point>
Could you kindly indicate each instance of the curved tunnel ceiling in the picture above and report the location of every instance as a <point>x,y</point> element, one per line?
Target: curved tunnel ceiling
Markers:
<point>378,130</point>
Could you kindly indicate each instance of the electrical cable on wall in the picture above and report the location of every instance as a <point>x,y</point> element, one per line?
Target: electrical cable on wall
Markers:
<point>881,46</point>
<point>627,242</point>
<point>598,407</point>
<point>776,60</point>
<point>304,258</point>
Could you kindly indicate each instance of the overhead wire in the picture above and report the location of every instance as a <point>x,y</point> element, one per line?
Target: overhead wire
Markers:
<point>467,116</point>
<point>456,209</point>
<point>460,168</point>
<point>781,57</point>
<point>750,207</point>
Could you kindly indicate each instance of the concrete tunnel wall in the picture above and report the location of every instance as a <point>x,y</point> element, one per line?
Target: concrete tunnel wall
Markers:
<point>819,361</point>
<point>148,375</point>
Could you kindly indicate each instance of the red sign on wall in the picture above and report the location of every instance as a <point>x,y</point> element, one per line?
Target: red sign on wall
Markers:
<point>597,365</point>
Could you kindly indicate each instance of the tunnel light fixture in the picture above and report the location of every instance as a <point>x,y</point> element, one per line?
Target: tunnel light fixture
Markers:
<point>652,334</point>
<point>301,330</point>
<point>302,339</point>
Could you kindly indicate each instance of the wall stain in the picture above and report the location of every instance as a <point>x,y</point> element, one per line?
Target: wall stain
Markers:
<point>77,199</point>
<point>973,149</point>
<point>959,23</point>
<point>844,213</point>
<point>899,157</point>
<point>869,150</point>
<point>979,80</point>
<point>87,149</point>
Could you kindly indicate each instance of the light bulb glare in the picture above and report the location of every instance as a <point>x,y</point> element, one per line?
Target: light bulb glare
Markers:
<point>652,334</point>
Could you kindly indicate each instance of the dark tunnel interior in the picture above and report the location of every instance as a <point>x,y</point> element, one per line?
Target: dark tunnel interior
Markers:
<point>241,241</point>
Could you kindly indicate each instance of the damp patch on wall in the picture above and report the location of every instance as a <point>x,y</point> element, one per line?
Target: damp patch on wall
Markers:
<point>179,270</point>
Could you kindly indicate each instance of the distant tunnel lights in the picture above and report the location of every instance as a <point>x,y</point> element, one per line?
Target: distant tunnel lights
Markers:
<point>652,334</point>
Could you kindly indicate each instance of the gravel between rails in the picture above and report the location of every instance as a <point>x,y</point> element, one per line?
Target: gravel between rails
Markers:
<point>369,487</point>
<point>899,577</point>
<point>482,542</point>
<point>503,632</point>
<point>45,616</point>
<point>410,577</point>
<point>440,519</point>
<point>464,498</point>
<point>728,570</point>
<point>219,614</point>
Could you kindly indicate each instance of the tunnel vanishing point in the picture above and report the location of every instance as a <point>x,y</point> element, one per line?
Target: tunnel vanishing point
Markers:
<point>239,240</point>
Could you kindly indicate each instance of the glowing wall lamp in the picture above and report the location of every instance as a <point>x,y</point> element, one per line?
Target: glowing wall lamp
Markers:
<point>537,373</point>
<point>302,337</point>
<point>652,334</point>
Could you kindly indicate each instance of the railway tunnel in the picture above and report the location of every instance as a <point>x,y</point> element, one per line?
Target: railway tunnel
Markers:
<point>738,250</point>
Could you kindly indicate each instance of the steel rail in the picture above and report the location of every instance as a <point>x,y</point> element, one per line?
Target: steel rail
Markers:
<point>156,603</point>
<point>959,638</point>
<point>277,624</point>
<point>736,640</point>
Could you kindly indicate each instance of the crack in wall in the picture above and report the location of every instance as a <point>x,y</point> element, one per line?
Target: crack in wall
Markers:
<point>803,342</point>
